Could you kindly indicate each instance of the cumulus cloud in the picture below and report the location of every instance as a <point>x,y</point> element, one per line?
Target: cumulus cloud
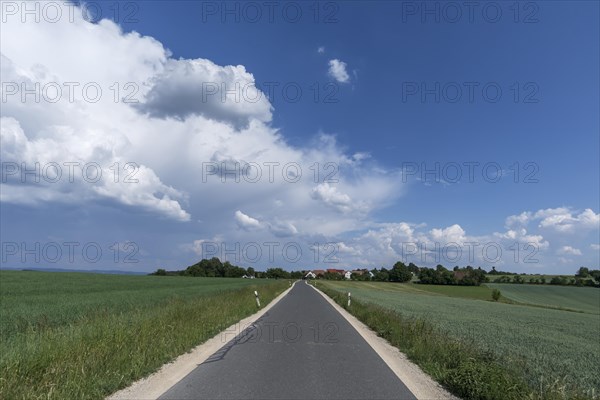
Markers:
<point>200,87</point>
<point>561,219</point>
<point>518,220</point>
<point>337,70</point>
<point>321,50</point>
<point>182,122</point>
<point>60,168</point>
<point>334,198</point>
<point>564,220</point>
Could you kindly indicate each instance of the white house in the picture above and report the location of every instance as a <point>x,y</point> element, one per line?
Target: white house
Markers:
<point>347,274</point>
<point>310,275</point>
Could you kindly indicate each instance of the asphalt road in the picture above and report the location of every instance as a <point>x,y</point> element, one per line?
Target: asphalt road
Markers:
<point>301,349</point>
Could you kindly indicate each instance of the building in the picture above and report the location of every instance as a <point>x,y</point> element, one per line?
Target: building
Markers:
<point>310,275</point>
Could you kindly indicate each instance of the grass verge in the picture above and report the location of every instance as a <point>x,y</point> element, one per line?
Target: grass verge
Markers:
<point>461,367</point>
<point>99,354</point>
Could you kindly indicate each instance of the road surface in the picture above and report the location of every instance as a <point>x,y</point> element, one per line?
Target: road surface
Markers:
<point>300,349</point>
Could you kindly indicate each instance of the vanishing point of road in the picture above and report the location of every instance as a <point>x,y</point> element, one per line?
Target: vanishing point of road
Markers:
<point>302,348</point>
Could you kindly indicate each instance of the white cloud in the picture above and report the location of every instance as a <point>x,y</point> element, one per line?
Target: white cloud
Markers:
<point>337,70</point>
<point>561,220</point>
<point>568,250</point>
<point>594,246</point>
<point>171,133</point>
<point>518,220</point>
<point>200,87</point>
<point>246,222</point>
<point>332,197</point>
<point>321,50</point>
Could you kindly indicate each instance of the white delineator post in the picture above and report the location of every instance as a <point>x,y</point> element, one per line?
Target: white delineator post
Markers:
<point>349,298</point>
<point>257,299</point>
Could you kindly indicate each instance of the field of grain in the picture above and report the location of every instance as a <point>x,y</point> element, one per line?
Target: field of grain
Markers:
<point>528,277</point>
<point>581,299</point>
<point>73,335</point>
<point>551,347</point>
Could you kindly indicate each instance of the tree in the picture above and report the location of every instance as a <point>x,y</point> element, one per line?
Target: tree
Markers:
<point>413,268</point>
<point>277,273</point>
<point>596,275</point>
<point>251,271</point>
<point>381,275</point>
<point>400,273</point>
<point>160,272</point>
<point>583,272</point>
<point>296,275</point>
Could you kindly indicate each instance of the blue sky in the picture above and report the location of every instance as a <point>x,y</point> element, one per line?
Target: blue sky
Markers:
<point>379,133</point>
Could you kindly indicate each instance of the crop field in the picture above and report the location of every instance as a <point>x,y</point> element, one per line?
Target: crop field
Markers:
<point>582,299</point>
<point>552,348</point>
<point>73,335</point>
<point>528,277</point>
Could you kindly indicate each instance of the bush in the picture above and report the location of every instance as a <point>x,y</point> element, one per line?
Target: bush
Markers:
<point>496,294</point>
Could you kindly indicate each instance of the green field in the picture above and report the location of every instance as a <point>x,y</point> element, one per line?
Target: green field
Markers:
<point>527,277</point>
<point>551,347</point>
<point>84,336</point>
<point>582,299</point>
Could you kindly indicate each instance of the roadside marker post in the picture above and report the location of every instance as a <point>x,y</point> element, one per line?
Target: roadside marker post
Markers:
<point>257,299</point>
<point>349,298</point>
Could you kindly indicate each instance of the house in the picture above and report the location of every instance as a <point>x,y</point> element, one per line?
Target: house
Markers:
<point>348,275</point>
<point>310,275</point>
<point>314,274</point>
<point>336,271</point>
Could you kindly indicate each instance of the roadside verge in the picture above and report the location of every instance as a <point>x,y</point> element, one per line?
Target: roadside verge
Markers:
<point>154,385</point>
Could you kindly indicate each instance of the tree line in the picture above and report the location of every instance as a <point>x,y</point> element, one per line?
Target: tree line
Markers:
<point>399,272</point>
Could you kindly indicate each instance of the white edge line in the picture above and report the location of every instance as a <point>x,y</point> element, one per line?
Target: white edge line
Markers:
<point>156,384</point>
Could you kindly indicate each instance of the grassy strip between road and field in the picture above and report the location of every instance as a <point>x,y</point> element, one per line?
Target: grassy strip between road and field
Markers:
<point>96,355</point>
<point>461,367</point>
